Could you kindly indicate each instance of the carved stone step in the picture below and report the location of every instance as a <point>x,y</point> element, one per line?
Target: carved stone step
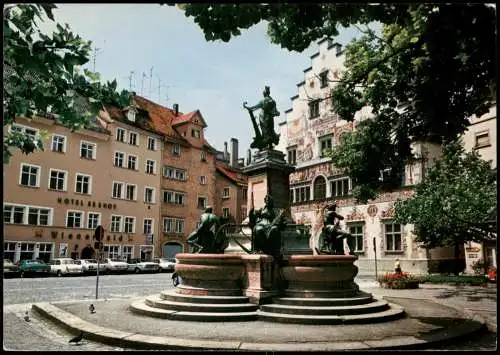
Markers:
<point>373,307</point>
<point>298,301</point>
<point>157,302</point>
<point>173,296</point>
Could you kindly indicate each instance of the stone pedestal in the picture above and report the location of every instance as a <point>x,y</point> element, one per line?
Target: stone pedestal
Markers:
<point>259,284</point>
<point>269,173</point>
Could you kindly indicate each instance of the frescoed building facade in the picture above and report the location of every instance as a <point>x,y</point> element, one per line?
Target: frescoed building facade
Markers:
<point>311,128</point>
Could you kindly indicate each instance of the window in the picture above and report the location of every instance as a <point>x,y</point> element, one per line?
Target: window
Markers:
<point>174,173</point>
<point>13,214</point>
<point>127,252</point>
<point>74,219</point>
<point>58,143</point>
<point>225,212</point>
<point>119,159</point>
<point>93,220</point>
<point>292,156</point>
<point>133,139</point>
<point>173,197</point>
<point>150,166</point>
<point>195,133</point>
<point>179,226</point>
<point>319,188</point>
<point>38,216</point>
<point>129,225</point>
<point>130,192</point>
<point>148,226</point>
<point>314,109</point>
<point>202,202</point>
<point>149,195</point>
<point>203,156</point>
<point>111,251</point>
<point>151,143</point>
<point>83,184</point>
<point>325,144</point>
<point>9,251</point>
<point>168,225</point>
<point>323,78</point>
<point>176,150</point>
<point>116,223</point>
<point>31,132</point>
<point>117,190</point>
<point>225,192</point>
<point>88,150</point>
<point>385,174</point>
<point>245,193</point>
<point>339,187</point>
<point>120,135</point>
<point>392,234</point>
<point>482,139</point>
<point>57,180</point>
<point>302,194</point>
<point>30,175</point>
<point>356,242</point>
<point>203,180</point>
<point>132,162</point>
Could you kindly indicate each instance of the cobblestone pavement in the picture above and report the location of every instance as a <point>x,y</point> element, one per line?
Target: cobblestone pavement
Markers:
<point>40,334</point>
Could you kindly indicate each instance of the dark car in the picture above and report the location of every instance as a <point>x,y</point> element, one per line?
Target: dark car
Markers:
<point>33,267</point>
<point>10,269</point>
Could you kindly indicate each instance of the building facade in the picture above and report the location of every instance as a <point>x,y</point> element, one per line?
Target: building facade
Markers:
<point>144,173</point>
<point>311,128</point>
<point>481,136</point>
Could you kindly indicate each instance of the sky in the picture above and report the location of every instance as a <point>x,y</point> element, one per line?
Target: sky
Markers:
<point>213,77</point>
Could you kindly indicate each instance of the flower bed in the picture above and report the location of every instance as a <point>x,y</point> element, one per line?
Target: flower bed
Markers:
<point>398,280</point>
<point>492,274</point>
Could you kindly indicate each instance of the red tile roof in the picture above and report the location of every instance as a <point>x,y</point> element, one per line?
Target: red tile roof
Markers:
<point>232,175</point>
<point>161,117</point>
<point>188,117</point>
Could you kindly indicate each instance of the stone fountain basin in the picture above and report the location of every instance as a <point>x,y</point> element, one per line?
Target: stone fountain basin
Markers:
<point>320,271</point>
<point>221,267</point>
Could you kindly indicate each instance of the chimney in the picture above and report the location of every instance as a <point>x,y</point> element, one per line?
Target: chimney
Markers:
<point>226,154</point>
<point>249,156</point>
<point>234,152</point>
<point>176,109</point>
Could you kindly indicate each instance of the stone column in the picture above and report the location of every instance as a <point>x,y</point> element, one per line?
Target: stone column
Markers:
<point>259,284</point>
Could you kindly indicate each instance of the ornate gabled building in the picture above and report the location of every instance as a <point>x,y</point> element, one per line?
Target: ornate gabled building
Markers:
<point>311,128</point>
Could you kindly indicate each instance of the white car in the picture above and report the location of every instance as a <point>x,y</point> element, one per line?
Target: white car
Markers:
<point>65,266</point>
<point>115,265</point>
<point>166,265</point>
<point>138,266</point>
<point>89,266</point>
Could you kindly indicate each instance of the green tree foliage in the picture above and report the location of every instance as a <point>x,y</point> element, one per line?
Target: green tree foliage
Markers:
<point>41,76</point>
<point>455,203</point>
<point>431,68</point>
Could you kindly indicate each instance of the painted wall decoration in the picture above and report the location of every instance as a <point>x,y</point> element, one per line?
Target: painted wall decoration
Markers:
<point>308,174</point>
<point>372,210</point>
<point>355,215</point>
<point>388,212</point>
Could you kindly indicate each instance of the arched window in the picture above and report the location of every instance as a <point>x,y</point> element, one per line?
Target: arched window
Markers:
<point>319,188</point>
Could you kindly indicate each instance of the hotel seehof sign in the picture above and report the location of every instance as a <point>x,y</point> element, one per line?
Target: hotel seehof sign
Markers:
<point>93,204</point>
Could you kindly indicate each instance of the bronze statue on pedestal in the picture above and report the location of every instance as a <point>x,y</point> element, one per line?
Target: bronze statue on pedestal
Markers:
<point>331,238</point>
<point>265,136</point>
<point>210,237</point>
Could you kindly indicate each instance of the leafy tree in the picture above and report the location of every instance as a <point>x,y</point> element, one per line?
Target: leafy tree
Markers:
<point>455,203</point>
<point>41,76</point>
<point>431,68</point>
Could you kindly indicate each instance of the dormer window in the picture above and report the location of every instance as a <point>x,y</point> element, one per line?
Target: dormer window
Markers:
<point>195,133</point>
<point>131,115</point>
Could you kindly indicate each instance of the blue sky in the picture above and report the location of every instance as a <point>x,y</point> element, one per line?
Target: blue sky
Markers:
<point>214,77</point>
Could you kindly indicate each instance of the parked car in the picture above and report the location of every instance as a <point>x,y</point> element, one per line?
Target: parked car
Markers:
<point>33,267</point>
<point>10,269</point>
<point>138,266</point>
<point>65,266</point>
<point>89,266</point>
<point>166,265</point>
<point>115,265</point>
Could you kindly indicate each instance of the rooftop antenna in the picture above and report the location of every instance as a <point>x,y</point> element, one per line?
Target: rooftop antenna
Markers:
<point>159,89</point>
<point>130,80</point>
<point>142,82</point>
<point>167,98</point>
<point>150,80</point>
<point>94,57</point>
